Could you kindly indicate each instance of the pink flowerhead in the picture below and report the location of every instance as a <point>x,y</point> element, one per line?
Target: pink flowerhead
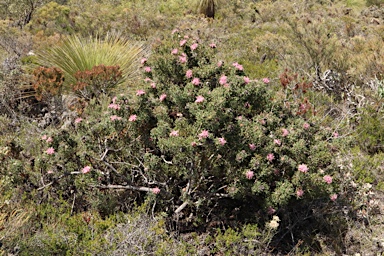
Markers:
<point>174,133</point>
<point>153,85</point>
<point>327,179</point>
<point>49,139</point>
<point>335,134</point>
<point>163,96</point>
<point>266,80</point>
<point>285,132</point>
<point>140,92</point>
<point>188,74</point>
<point>174,51</point>
<point>246,80</point>
<point>156,190</point>
<point>78,120</point>
<point>249,175</point>
<point>196,81</point>
<point>147,79</point>
<point>50,151</point>
<point>44,137</point>
<point>86,169</point>
<point>194,46</point>
<point>175,31</point>
<point>303,168</point>
<point>50,172</point>
<point>132,118</point>
<point>299,193</point>
<point>306,125</point>
<point>199,99</point>
<point>252,147</point>
<point>204,134</point>
<point>219,64</point>
<point>114,106</point>
<point>143,60</point>
<point>212,45</point>
<point>237,66</point>
<point>277,142</point>
<point>270,210</point>
<point>147,69</point>
<point>182,42</point>
<point>222,141</point>
<point>333,197</point>
<point>193,144</point>
<point>183,59</point>
<point>223,80</point>
<point>270,157</point>
<point>115,117</point>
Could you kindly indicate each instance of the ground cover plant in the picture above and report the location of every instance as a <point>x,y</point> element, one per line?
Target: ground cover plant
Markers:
<point>158,123</point>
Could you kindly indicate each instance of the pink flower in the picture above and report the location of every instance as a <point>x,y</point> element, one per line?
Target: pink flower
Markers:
<point>299,193</point>
<point>303,168</point>
<point>86,169</point>
<point>285,132</point>
<point>188,74</point>
<point>114,106</point>
<point>175,31</point>
<point>182,42</point>
<point>222,141</point>
<point>252,147</point>
<point>306,125</point>
<point>249,175</point>
<point>183,59</point>
<point>115,117</point>
<point>147,69</point>
<point>140,92</point>
<point>246,80</point>
<point>266,80</point>
<point>174,133</point>
<point>143,60</point>
<point>44,137</point>
<point>223,80</point>
<point>49,139</point>
<point>193,144</point>
<point>270,210</point>
<point>199,99</point>
<point>327,179</point>
<point>335,134</point>
<point>196,81</point>
<point>50,172</point>
<point>270,157</point>
<point>237,66</point>
<point>277,142</point>
<point>156,190</point>
<point>163,96</point>
<point>174,51</point>
<point>204,134</point>
<point>333,197</point>
<point>132,118</point>
<point>212,45</point>
<point>50,151</point>
<point>153,85</point>
<point>194,46</point>
<point>78,120</point>
<point>147,79</point>
<point>220,63</point>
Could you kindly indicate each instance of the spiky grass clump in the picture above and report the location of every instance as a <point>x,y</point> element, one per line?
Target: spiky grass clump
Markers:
<point>80,54</point>
<point>207,7</point>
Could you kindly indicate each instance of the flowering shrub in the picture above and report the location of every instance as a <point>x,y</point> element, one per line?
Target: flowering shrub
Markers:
<point>211,132</point>
<point>197,131</point>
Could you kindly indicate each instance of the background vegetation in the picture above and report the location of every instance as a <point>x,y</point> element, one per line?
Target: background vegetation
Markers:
<point>191,127</point>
